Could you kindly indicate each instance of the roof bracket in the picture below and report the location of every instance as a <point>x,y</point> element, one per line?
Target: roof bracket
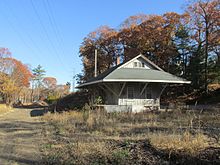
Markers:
<point>163,89</point>
<point>110,89</point>
<point>143,88</point>
<point>123,86</point>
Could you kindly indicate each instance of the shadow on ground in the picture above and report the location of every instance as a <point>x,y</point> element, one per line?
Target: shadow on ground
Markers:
<point>21,137</point>
<point>19,126</point>
<point>38,112</point>
<point>20,160</point>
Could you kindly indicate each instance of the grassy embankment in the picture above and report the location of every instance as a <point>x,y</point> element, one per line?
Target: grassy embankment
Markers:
<point>96,137</point>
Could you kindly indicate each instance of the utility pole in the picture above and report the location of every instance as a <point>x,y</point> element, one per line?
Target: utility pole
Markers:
<point>96,53</point>
<point>73,82</point>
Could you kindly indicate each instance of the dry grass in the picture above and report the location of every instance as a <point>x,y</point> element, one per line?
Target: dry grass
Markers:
<point>97,137</point>
<point>4,109</point>
<point>213,87</point>
<point>186,142</point>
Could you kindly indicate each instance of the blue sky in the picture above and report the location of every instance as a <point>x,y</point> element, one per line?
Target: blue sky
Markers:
<point>49,32</point>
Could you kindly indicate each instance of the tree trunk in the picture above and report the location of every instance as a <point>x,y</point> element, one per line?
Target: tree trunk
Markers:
<point>206,57</point>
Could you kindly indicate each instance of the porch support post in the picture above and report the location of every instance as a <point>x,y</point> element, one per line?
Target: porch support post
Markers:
<point>161,94</point>
<point>163,89</point>
<point>143,88</point>
<point>92,96</point>
<point>110,89</point>
<point>123,86</point>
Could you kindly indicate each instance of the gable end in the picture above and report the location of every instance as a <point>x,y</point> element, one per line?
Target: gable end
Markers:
<point>140,61</point>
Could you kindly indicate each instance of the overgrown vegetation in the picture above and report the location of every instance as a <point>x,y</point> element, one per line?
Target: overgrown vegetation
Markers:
<point>96,137</point>
<point>72,101</point>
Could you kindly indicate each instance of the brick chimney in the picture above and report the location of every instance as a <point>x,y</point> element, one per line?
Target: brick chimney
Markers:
<point>118,60</point>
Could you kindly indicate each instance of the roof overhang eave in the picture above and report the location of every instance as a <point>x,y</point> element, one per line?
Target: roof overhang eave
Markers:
<point>144,80</point>
<point>134,80</point>
<point>89,83</point>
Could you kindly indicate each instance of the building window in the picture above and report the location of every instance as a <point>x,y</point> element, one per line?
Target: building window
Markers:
<point>139,65</point>
<point>135,64</point>
<point>130,92</point>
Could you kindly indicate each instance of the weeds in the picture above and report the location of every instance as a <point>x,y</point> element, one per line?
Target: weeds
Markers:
<point>4,108</point>
<point>175,143</point>
<point>96,137</point>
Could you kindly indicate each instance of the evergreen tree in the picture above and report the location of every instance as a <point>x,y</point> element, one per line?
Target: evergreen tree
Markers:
<point>38,74</point>
<point>196,69</point>
<point>182,42</point>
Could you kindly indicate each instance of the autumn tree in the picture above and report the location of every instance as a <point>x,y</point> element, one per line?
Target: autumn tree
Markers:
<point>146,34</point>
<point>185,44</point>
<point>130,34</point>
<point>4,53</point>
<point>58,92</point>
<point>205,21</point>
<point>51,92</point>
<point>49,82</point>
<point>48,88</point>
<point>153,36</point>
<point>157,41</point>
<point>104,40</point>
<point>14,77</point>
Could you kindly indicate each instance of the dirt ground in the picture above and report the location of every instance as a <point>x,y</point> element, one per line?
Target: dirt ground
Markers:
<point>20,137</point>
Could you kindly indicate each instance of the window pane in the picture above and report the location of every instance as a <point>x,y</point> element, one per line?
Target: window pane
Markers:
<point>135,64</point>
<point>139,65</point>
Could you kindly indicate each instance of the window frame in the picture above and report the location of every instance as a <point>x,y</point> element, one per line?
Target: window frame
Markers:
<point>135,64</point>
<point>139,64</point>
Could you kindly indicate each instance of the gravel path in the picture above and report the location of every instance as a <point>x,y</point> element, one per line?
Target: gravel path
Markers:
<point>20,137</point>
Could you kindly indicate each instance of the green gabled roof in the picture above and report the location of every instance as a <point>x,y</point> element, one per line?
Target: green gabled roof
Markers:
<point>139,74</point>
<point>121,74</point>
<point>102,75</point>
<point>134,75</point>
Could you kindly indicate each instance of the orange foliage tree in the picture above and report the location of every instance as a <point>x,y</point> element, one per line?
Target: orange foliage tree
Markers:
<point>49,82</point>
<point>205,23</point>
<point>151,35</point>
<point>14,77</point>
<point>104,39</point>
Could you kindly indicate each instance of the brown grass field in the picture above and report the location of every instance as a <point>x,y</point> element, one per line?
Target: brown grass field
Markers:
<point>4,109</point>
<point>96,137</point>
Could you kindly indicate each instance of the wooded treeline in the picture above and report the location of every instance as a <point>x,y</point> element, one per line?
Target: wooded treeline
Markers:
<point>19,84</point>
<point>186,45</point>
